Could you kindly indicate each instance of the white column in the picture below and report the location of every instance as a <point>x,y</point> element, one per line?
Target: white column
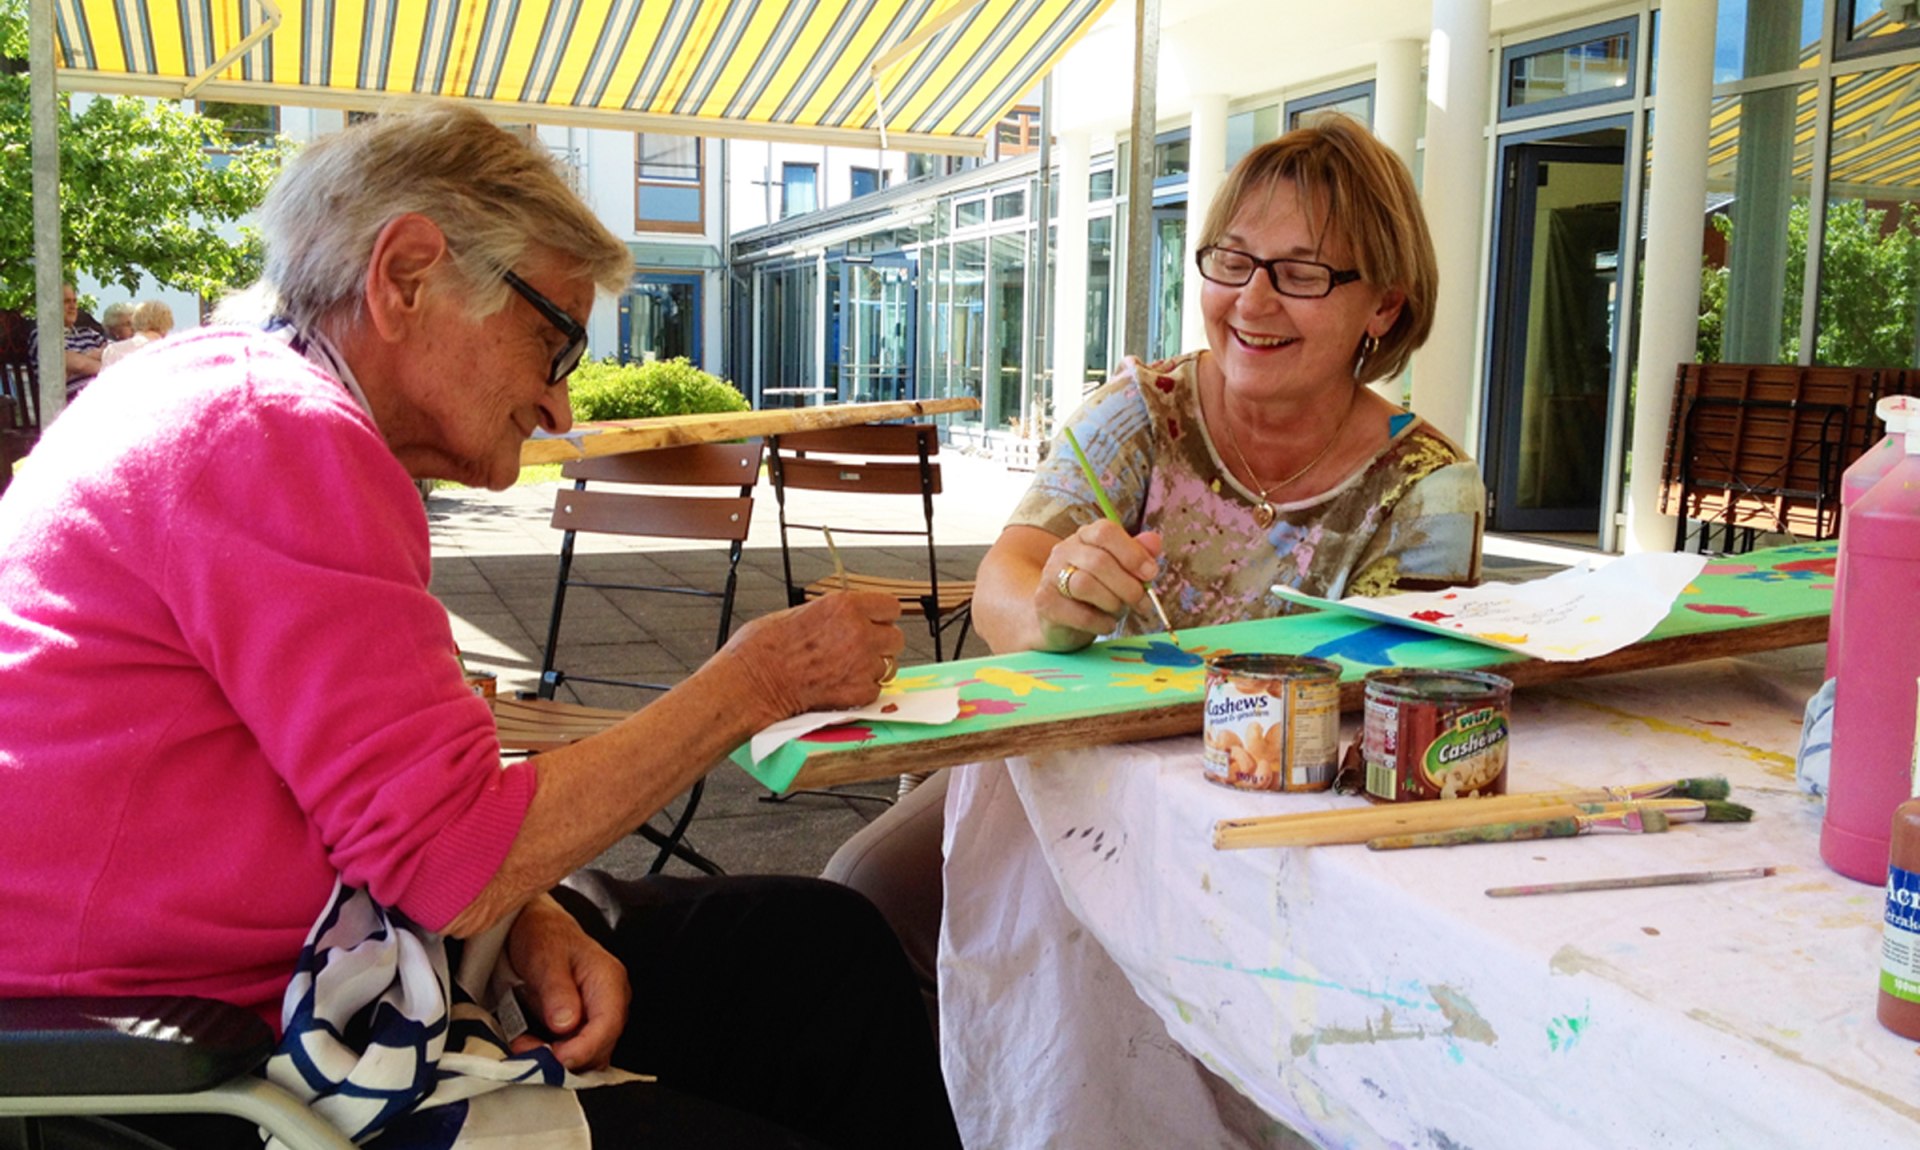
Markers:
<point>1069,342</point>
<point>1454,193</point>
<point>1670,307</point>
<point>1396,96</point>
<point>1206,171</point>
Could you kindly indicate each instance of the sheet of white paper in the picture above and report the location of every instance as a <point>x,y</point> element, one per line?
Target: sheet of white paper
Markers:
<point>940,705</point>
<point>1568,616</point>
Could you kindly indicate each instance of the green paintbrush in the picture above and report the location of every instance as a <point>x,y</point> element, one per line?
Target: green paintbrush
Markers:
<point>1106,508</point>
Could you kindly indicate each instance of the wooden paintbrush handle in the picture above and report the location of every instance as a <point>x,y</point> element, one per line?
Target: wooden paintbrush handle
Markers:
<point>1559,828</point>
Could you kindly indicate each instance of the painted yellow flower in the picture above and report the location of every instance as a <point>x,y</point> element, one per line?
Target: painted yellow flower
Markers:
<point>1161,679</point>
<point>1018,682</point>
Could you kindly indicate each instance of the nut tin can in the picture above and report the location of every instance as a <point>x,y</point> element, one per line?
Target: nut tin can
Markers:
<point>1435,734</point>
<point>1272,722</point>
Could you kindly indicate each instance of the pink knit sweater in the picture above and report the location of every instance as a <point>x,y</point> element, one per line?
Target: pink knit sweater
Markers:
<point>223,681</point>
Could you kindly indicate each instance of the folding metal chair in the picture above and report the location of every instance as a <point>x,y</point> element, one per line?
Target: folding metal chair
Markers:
<point>673,507</point>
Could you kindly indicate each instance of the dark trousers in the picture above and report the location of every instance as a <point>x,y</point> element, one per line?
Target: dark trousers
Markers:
<point>775,1011</point>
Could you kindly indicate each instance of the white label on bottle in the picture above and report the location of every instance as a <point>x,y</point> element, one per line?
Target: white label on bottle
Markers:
<point>1900,941</point>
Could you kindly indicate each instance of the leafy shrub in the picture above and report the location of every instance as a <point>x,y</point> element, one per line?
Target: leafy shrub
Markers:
<point>605,389</point>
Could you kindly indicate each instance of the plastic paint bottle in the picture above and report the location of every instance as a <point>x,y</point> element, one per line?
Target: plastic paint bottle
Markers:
<point>1875,656</point>
<point>1899,1007</point>
<point>1896,411</point>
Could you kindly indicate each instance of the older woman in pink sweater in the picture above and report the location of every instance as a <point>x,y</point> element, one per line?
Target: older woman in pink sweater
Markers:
<point>224,685</point>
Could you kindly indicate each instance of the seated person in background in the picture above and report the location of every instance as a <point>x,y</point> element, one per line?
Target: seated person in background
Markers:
<point>116,322</point>
<point>83,343</point>
<point>150,321</point>
<point>1263,458</point>
<point>225,686</point>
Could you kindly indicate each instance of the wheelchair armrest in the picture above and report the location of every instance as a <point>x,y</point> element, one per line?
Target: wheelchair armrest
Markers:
<point>139,1045</point>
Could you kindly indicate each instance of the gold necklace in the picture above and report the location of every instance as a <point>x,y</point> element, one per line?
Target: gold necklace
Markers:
<point>1264,514</point>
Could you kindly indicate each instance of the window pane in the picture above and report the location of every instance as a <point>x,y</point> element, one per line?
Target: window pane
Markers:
<point>661,321</point>
<point>669,157</point>
<point>1762,37</point>
<point>669,203</point>
<point>1100,185</point>
<point>970,213</point>
<point>1594,65</point>
<point>1170,159</point>
<point>1870,257</point>
<point>1867,19</point>
<point>1759,159</point>
<point>1248,130</point>
<point>1009,281</point>
<point>1099,296</point>
<point>1358,107</point>
<point>797,193</point>
<point>864,181</point>
<point>1009,205</point>
<point>968,315</point>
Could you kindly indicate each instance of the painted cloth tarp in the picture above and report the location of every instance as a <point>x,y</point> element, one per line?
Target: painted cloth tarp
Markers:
<point>1097,951</point>
<point>1124,675</point>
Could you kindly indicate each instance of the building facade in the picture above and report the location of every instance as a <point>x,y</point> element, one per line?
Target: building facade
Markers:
<point>1613,188</point>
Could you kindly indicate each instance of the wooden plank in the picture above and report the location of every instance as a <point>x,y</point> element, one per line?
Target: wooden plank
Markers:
<point>1146,687</point>
<point>617,437</point>
<point>861,764</point>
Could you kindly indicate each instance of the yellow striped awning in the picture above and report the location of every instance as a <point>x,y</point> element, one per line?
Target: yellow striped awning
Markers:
<point>917,75</point>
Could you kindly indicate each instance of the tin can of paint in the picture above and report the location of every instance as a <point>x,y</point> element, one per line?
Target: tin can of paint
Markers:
<point>1272,722</point>
<point>1435,734</point>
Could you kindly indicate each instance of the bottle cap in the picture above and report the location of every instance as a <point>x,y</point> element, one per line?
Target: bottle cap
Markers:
<point>1898,412</point>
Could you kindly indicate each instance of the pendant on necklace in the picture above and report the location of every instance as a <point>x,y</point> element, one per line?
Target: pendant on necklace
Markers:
<point>1263,514</point>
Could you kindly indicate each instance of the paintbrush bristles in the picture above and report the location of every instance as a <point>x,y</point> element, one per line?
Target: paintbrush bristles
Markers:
<point>1708,787</point>
<point>1718,812</point>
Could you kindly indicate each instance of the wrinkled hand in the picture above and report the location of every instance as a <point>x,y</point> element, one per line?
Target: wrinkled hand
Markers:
<point>831,652</point>
<point>572,988</point>
<point>1111,571</point>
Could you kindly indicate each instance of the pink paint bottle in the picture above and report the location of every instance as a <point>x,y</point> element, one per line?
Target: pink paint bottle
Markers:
<point>1895,411</point>
<point>1874,653</point>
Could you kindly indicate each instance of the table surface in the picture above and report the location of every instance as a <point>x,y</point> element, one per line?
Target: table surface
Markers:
<point>615,437</point>
<point>1381,999</point>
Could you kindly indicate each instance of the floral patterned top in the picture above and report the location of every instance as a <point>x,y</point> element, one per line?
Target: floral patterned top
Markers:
<point>1412,512</point>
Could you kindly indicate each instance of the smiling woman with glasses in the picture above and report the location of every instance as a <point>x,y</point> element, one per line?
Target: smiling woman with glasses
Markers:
<point>1262,459</point>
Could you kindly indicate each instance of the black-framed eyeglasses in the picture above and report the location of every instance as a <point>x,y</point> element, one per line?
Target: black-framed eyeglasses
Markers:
<point>568,357</point>
<point>1302,279</point>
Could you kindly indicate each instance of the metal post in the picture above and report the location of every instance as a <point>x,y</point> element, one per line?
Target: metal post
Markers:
<point>49,311</point>
<point>1146,68</point>
<point>1039,333</point>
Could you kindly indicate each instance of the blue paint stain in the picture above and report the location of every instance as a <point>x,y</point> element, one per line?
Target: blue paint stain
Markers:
<point>1160,653</point>
<point>1279,975</point>
<point>1370,646</point>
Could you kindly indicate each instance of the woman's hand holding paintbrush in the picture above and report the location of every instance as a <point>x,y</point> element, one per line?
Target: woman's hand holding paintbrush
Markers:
<point>1101,567</point>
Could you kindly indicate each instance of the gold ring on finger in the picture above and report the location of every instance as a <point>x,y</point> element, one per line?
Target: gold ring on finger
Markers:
<point>1063,582</point>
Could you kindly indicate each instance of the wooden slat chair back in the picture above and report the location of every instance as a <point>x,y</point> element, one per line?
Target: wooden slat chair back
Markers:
<point>702,492</point>
<point>1761,448</point>
<point>870,460</point>
<point>19,412</point>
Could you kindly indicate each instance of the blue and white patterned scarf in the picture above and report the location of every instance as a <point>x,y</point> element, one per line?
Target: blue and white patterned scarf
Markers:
<point>384,1043</point>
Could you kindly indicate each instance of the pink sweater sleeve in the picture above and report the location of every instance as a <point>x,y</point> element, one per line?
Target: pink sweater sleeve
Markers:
<point>297,565</point>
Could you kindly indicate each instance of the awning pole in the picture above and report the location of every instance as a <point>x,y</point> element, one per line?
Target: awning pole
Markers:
<point>1146,67</point>
<point>49,311</point>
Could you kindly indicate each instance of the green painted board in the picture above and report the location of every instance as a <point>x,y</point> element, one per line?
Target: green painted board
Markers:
<point>1146,687</point>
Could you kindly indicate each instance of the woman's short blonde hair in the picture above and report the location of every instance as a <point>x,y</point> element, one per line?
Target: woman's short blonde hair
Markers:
<point>153,315</point>
<point>1353,184</point>
<point>493,194</point>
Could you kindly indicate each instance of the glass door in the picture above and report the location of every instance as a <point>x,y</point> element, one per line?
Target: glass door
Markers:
<point>1169,271</point>
<point>1556,311</point>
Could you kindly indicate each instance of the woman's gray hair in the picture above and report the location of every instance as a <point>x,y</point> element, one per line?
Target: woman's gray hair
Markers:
<point>493,195</point>
<point>153,315</point>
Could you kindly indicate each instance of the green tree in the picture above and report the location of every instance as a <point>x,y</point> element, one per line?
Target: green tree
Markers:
<point>144,187</point>
<point>1869,304</point>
